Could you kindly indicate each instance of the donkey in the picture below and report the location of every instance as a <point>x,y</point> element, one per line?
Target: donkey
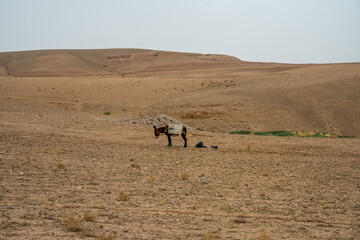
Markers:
<point>168,130</point>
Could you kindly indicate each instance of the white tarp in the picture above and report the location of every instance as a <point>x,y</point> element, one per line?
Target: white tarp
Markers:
<point>175,129</point>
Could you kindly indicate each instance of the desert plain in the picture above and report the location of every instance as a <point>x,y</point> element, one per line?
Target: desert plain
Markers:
<point>79,160</point>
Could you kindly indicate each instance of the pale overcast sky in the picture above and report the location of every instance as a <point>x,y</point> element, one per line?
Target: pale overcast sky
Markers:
<point>292,31</point>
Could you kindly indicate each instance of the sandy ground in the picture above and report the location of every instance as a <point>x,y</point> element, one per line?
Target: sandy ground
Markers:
<point>68,174</point>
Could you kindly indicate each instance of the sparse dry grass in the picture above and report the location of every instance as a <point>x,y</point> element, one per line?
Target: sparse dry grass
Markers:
<point>150,179</point>
<point>89,216</point>
<point>183,176</point>
<point>123,196</point>
<point>247,148</point>
<point>74,224</point>
<point>16,165</point>
<point>263,235</point>
<point>262,192</point>
<point>60,165</point>
<point>92,176</point>
<point>71,222</point>
<point>331,135</point>
<point>300,134</point>
<point>210,235</point>
<point>89,231</point>
<point>105,237</point>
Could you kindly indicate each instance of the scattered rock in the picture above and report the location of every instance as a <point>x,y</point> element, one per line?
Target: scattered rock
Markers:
<point>208,219</point>
<point>240,220</point>
<point>157,120</point>
<point>135,165</point>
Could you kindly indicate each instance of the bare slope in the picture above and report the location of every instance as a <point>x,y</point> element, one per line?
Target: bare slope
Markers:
<point>210,92</point>
<point>124,62</point>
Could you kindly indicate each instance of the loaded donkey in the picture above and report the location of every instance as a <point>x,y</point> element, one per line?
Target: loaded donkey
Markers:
<point>171,130</point>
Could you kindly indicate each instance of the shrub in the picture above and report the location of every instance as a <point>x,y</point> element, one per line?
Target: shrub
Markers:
<point>150,179</point>
<point>61,165</point>
<point>183,176</point>
<point>89,216</point>
<point>105,237</point>
<point>71,222</point>
<point>123,196</point>
<point>262,192</point>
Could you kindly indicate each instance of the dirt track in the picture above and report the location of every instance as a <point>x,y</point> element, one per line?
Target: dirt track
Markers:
<point>62,170</point>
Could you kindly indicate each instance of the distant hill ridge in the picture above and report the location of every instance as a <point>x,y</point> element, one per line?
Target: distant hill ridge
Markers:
<point>123,62</point>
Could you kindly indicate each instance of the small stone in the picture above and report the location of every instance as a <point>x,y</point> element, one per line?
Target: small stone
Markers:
<point>240,220</point>
<point>135,165</point>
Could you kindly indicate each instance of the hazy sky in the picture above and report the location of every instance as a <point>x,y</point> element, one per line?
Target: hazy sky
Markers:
<point>294,31</point>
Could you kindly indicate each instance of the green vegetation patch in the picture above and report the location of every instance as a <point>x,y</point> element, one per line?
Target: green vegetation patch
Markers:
<point>291,134</point>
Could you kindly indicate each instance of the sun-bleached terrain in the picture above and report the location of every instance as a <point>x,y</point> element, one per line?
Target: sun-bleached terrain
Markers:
<point>69,171</point>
